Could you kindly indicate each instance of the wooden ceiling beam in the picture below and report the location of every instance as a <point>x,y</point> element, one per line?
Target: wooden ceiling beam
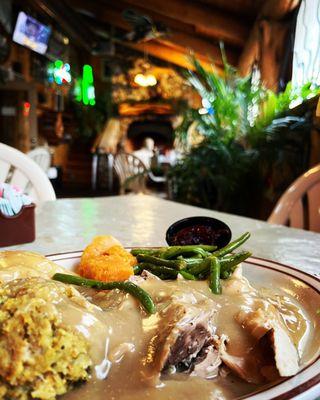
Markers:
<point>185,42</point>
<point>170,22</point>
<point>183,35</point>
<point>170,55</point>
<point>209,51</point>
<point>207,22</point>
<point>244,8</point>
<point>181,42</point>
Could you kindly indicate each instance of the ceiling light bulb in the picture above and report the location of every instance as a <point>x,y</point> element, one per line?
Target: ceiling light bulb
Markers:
<point>139,79</point>
<point>151,80</point>
<point>145,80</point>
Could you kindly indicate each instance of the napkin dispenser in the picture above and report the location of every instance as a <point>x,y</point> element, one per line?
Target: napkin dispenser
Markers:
<point>19,228</point>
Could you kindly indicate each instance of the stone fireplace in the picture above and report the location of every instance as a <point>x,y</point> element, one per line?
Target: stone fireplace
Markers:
<point>159,129</point>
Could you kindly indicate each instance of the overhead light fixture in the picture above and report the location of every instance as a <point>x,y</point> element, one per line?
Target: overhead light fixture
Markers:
<point>145,80</point>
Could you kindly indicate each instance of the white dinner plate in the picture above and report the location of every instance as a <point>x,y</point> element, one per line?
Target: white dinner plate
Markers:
<point>285,279</point>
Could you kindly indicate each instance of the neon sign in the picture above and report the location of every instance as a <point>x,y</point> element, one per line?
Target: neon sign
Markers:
<point>84,87</point>
<point>59,72</point>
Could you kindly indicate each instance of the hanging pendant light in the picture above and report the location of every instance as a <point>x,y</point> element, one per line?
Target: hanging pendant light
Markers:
<point>145,80</point>
<point>144,76</point>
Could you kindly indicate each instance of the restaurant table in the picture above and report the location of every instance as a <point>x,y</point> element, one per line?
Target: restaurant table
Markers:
<point>141,220</point>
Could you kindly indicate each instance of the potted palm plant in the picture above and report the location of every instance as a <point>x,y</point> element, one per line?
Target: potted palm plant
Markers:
<point>251,144</point>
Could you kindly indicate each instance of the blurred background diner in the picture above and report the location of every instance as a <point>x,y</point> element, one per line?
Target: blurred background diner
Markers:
<point>211,103</point>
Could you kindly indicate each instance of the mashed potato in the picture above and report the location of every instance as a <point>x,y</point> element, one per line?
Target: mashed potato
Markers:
<point>40,356</point>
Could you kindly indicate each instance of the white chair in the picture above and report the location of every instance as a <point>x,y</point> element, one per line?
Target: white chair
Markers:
<point>41,155</point>
<point>299,206</point>
<point>131,172</point>
<point>18,169</point>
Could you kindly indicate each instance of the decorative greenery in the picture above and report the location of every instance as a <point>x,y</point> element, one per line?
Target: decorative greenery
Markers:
<point>252,146</point>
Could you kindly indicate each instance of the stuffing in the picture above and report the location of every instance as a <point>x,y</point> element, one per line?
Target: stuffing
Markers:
<point>41,357</point>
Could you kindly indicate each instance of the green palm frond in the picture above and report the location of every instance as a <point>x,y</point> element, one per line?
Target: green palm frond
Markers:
<point>249,135</point>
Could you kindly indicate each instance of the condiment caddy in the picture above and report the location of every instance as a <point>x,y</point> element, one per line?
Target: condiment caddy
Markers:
<point>17,218</point>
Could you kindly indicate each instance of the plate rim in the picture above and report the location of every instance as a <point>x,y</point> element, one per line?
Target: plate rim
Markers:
<point>302,388</point>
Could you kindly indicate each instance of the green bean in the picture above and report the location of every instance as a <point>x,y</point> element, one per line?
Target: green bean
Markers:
<point>150,252</point>
<point>174,251</point>
<point>187,276</point>
<point>166,272</point>
<point>175,264</point>
<point>129,287</point>
<point>198,256</point>
<point>214,282</point>
<point>192,260</point>
<point>229,264</point>
<point>159,269</point>
<point>225,274</point>
<point>231,257</point>
<point>194,257</point>
<point>205,247</point>
<point>232,245</point>
<point>201,268</point>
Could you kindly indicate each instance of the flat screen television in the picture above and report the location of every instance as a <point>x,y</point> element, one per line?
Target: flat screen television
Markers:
<point>31,33</point>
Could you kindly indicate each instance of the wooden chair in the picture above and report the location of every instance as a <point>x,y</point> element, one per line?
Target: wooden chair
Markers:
<point>18,169</point>
<point>131,172</point>
<point>299,206</point>
<point>41,155</point>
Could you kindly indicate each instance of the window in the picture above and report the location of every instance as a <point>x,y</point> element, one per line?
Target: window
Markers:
<point>306,55</point>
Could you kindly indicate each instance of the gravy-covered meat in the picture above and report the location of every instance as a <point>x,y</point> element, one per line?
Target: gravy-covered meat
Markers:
<point>208,361</point>
<point>285,354</point>
<point>246,366</point>
<point>272,353</point>
<point>181,334</point>
<point>266,327</point>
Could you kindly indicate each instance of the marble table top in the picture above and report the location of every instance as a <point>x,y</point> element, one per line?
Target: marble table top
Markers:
<point>140,220</point>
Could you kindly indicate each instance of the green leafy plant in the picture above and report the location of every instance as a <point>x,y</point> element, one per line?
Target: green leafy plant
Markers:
<point>252,145</point>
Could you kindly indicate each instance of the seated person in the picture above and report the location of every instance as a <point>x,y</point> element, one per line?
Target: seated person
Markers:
<point>146,152</point>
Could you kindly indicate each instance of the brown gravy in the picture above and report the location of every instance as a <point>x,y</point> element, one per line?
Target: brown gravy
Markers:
<point>118,331</point>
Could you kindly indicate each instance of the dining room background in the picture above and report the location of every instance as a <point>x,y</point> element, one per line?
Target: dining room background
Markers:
<point>216,106</point>
<point>160,199</point>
